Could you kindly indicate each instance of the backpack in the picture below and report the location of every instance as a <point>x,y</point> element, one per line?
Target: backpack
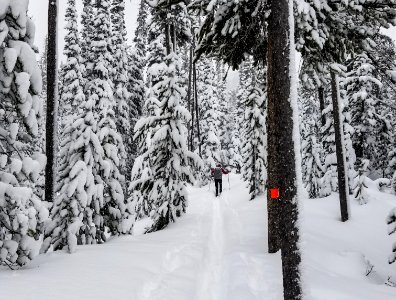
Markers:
<point>217,173</point>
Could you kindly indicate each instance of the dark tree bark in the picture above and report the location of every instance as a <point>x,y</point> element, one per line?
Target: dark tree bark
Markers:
<point>197,109</point>
<point>52,101</point>
<point>189,91</point>
<point>282,212</point>
<point>340,151</point>
<point>321,105</point>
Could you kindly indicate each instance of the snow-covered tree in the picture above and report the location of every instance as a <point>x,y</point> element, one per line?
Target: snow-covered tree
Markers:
<point>362,87</point>
<point>120,81</point>
<point>72,94</point>
<point>162,134</point>
<point>234,143</point>
<point>91,199</point>
<point>113,210</point>
<point>254,146</point>
<point>392,169</point>
<point>87,35</point>
<point>209,117</point>
<point>43,67</point>
<point>21,211</point>
<point>311,163</point>
<point>329,180</point>
<point>311,150</point>
<point>391,221</point>
<point>136,84</point>
<point>360,187</point>
<point>75,183</point>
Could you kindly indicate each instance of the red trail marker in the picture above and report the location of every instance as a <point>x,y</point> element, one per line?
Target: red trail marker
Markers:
<point>274,193</point>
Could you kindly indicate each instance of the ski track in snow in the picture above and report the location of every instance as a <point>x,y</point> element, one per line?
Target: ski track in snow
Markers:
<point>217,251</point>
<point>225,271</point>
<point>209,286</point>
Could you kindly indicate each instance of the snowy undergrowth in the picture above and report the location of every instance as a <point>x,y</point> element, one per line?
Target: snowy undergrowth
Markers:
<point>349,260</point>
<point>218,251</point>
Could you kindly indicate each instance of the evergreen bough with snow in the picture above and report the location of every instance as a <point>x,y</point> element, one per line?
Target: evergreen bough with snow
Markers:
<point>162,134</point>
<point>209,117</point>
<point>360,187</point>
<point>311,164</point>
<point>22,213</point>
<point>391,221</point>
<point>255,140</point>
<point>91,199</point>
<point>120,81</point>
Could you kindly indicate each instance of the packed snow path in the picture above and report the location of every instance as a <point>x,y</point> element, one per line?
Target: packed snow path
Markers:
<point>218,251</point>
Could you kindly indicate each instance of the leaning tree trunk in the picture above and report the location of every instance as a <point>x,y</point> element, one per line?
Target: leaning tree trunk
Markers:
<point>52,100</point>
<point>282,166</point>
<point>340,149</point>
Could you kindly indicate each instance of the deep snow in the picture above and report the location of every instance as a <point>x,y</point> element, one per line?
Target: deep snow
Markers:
<point>218,251</point>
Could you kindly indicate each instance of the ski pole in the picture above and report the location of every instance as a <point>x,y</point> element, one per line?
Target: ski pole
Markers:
<point>229,186</point>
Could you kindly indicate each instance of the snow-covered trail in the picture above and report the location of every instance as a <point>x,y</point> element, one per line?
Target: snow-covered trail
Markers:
<point>217,251</point>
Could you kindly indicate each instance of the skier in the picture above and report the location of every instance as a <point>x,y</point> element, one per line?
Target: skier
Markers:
<point>217,174</point>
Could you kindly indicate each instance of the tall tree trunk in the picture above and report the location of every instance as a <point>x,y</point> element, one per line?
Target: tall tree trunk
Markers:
<point>190,105</point>
<point>197,109</point>
<point>321,105</point>
<point>282,212</point>
<point>52,101</point>
<point>340,149</point>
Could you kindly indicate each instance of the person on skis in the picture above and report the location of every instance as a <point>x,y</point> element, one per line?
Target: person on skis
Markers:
<point>217,174</point>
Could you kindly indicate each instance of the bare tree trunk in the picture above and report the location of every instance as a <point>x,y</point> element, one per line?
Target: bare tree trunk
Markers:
<point>52,101</point>
<point>190,105</point>
<point>168,37</point>
<point>340,150</point>
<point>321,105</point>
<point>283,232</point>
<point>197,109</point>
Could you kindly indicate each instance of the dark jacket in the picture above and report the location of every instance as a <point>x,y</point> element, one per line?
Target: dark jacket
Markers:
<point>218,172</point>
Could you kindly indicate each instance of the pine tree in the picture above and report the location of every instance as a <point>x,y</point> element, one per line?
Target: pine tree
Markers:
<point>43,67</point>
<point>91,181</point>
<point>71,79</point>
<point>391,221</point>
<point>360,186</point>
<point>362,87</point>
<point>255,143</point>
<point>311,164</point>
<point>75,181</point>
<point>22,213</point>
<point>113,212</point>
<point>87,36</point>
<point>136,84</point>
<point>169,162</point>
<point>209,117</point>
<point>235,143</point>
<point>348,133</point>
<point>222,113</point>
<point>311,161</point>
<point>392,169</point>
<point>329,182</point>
<point>120,81</point>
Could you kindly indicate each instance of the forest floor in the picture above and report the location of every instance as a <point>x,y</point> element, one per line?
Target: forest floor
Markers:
<point>218,251</point>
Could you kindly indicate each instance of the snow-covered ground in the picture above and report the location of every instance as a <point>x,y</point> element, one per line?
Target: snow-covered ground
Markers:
<point>218,251</point>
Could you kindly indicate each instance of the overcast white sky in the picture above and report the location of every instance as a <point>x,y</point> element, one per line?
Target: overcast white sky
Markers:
<point>38,9</point>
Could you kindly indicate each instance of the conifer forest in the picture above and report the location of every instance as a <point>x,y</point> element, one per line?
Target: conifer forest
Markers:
<point>198,149</point>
